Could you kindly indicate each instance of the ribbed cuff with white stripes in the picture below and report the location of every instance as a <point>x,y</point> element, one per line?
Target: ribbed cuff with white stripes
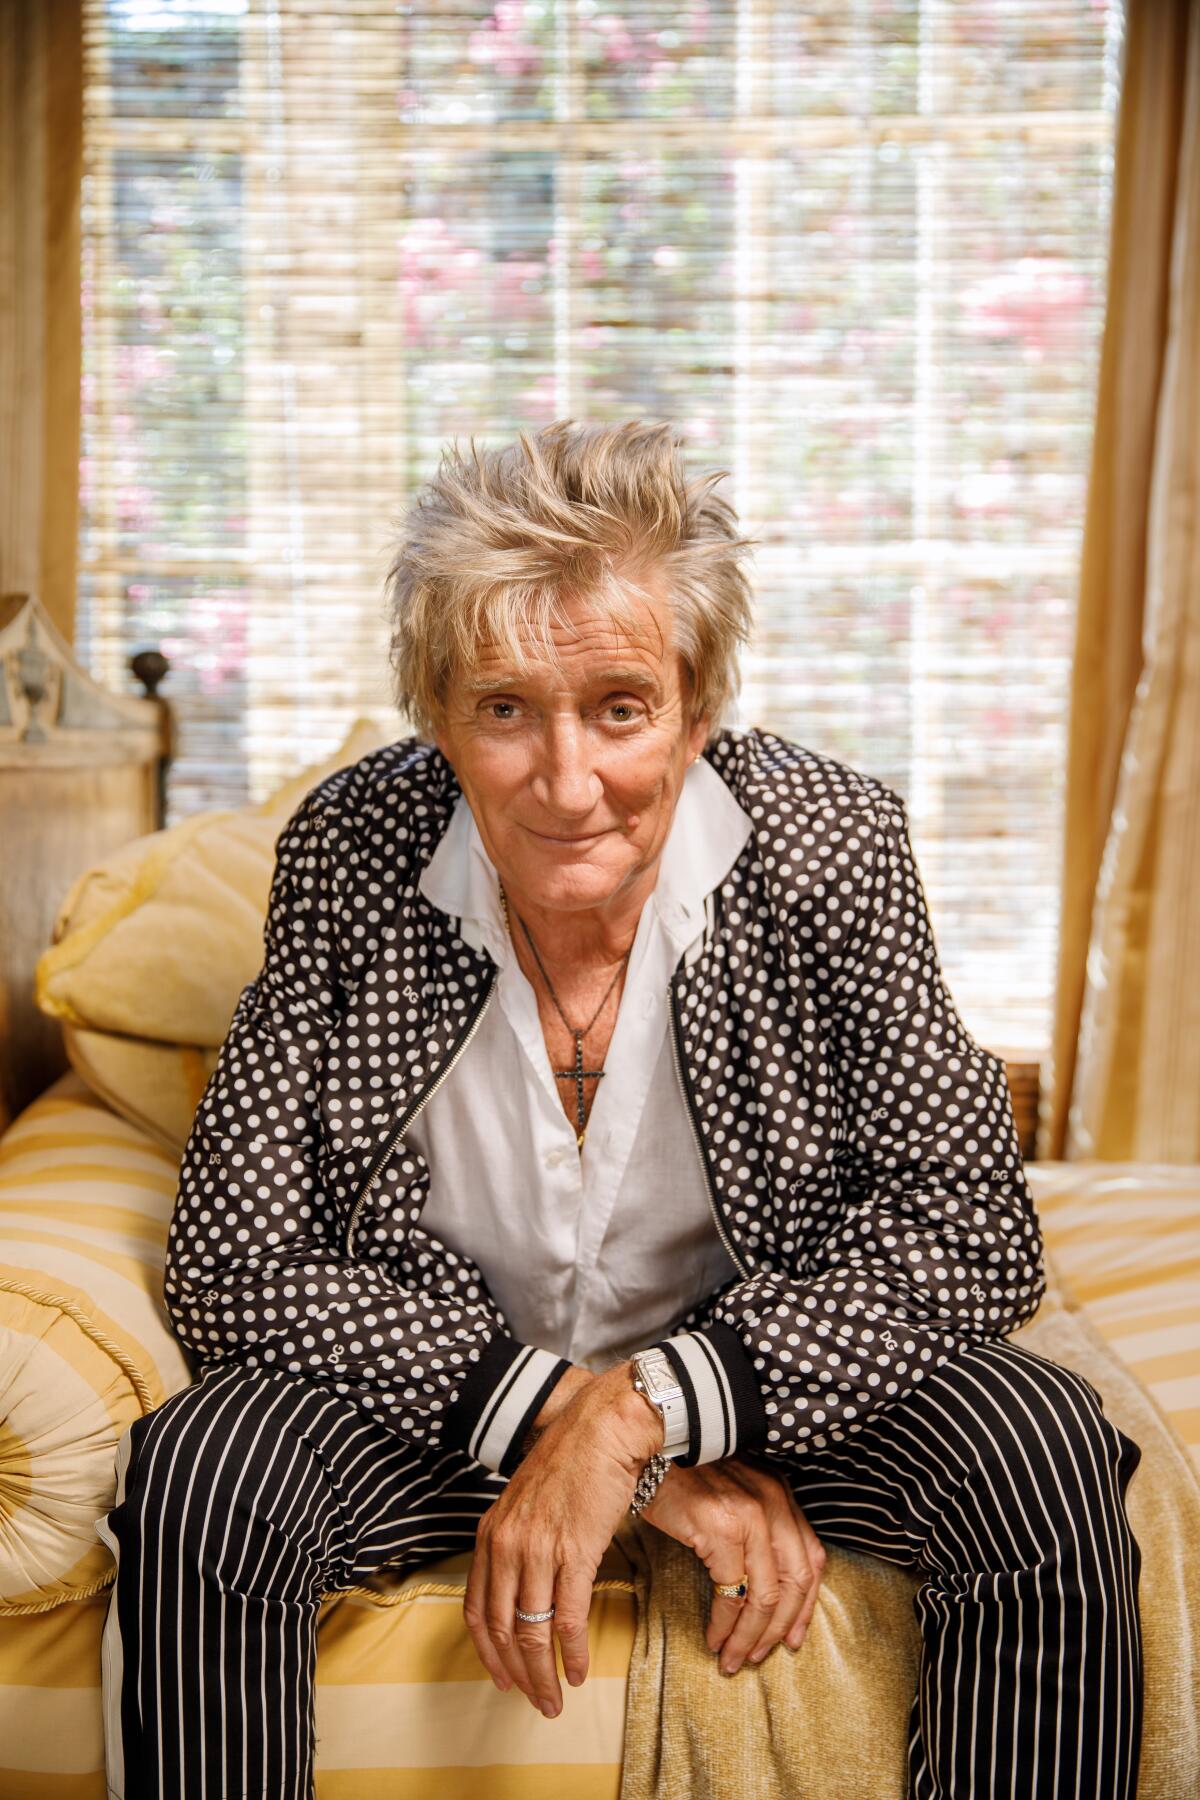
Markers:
<point>724,1405</point>
<point>499,1400</point>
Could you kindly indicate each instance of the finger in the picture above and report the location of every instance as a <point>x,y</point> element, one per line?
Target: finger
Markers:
<point>795,1580</point>
<point>777,1491</point>
<point>762,1576</point>
<point>726,1610</point>
<point>476,1621</point>
<point>722,1551</point>
<point>815,1551</point>
<point>536,1638</point>
<point>572,1601</point>
<point>500,1610</point>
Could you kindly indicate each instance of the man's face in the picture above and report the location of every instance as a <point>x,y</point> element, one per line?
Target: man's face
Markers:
<point>572,769</point>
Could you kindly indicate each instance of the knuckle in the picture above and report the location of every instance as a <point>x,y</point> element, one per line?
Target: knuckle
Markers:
<point>728,1511</point>
<point>473,1616</point>
<point>706,1542</point>
<point>500,1633</point>
<point>766,1600</point>
<point>530,1638</point>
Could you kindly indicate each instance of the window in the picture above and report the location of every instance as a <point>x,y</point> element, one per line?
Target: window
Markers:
<point>855,252</point>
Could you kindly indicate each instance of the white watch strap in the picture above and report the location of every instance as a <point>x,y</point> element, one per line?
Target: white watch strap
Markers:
<point>675,1425</point>
<point>672,1406</point>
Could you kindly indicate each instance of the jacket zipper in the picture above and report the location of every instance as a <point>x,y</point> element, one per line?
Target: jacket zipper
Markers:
<point>692,1121</point>
<point>398,1130</point>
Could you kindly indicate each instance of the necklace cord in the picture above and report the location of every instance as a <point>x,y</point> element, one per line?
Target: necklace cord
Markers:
<point>577,1073</point>
<point>576,1031</point>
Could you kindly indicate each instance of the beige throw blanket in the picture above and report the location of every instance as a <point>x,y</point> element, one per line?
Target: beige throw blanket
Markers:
<point>831,1720</point>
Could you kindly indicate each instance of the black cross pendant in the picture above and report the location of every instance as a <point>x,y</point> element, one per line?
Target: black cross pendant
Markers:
<point>579,1075</point>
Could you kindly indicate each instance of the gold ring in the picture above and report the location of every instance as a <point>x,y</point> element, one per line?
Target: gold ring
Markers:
<point>733,1590</point>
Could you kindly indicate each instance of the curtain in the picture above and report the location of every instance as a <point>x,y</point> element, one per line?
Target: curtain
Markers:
<point>41,117</point>
<point>1123,1080</point>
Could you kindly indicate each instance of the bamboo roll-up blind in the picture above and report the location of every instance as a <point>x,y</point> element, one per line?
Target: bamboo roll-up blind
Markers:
<point>855,251</point>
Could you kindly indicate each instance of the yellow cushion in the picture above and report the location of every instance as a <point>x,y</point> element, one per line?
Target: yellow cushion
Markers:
<point>157,1087</point>
<point>153,945</point>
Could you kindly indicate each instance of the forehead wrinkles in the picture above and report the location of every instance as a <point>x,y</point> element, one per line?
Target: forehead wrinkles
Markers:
<point>595,638</point>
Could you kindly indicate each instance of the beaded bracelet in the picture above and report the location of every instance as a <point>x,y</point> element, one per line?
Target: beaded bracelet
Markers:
<point>649,1481</point>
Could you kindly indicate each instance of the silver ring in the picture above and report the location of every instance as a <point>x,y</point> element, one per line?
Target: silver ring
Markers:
<point>532,1617</point>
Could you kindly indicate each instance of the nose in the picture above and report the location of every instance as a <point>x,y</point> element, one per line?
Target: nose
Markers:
<point>565,782</point>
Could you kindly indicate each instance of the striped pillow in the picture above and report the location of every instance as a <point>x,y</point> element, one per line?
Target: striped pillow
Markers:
<point>85,1347</point>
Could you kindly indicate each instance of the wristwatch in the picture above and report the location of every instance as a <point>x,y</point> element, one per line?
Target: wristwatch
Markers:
<point>654,1377</point>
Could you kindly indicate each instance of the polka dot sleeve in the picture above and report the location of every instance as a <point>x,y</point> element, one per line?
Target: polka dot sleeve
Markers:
<point>255,1270</point>
<point>933,1242</point>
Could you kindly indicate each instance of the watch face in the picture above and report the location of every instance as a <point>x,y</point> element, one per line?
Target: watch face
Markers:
<point>660,1382</point>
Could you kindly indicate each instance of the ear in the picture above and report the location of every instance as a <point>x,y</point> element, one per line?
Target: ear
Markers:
<point>697,735</point>
<point>698,723</point>
<point>440,735</point>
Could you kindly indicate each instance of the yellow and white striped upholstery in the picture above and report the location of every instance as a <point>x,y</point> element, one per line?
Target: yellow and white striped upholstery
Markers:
<point>404,1708</point>
<point>1125,1238</point>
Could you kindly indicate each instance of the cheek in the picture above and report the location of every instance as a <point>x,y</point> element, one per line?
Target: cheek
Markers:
<point>493,786</point>
<point>642,782</point>
<point>497,769</point>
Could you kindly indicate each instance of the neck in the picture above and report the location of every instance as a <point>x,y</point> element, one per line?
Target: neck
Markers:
<point>594,937</point>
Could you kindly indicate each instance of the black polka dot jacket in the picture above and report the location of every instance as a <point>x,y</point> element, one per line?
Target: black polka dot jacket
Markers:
<point>858,1144</point>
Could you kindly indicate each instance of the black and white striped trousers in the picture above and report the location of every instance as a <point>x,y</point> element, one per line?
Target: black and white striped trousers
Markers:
<point>247,1496</point>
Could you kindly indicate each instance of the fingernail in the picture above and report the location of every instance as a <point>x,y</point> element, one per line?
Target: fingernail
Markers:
<point>757,1656</point>
<point>730,1668</point>
<point>549,1708</point>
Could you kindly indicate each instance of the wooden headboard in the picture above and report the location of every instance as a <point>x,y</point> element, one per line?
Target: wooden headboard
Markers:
<point>82,771</point>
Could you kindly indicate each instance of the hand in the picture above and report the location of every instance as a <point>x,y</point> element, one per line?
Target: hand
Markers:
<point>740,1518</point>
<point>561,1395</point>
<point>540,1543</point>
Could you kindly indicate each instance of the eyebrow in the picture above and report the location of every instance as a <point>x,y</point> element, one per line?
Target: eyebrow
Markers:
<point>608,678</point>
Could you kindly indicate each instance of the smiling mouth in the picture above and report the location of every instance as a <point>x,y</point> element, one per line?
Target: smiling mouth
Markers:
<point>586,837</point>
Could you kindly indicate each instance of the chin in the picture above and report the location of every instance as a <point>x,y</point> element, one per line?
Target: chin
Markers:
<point>556,880</point>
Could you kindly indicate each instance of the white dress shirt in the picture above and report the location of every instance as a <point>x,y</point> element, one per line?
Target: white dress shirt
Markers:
<point>590,1254</point>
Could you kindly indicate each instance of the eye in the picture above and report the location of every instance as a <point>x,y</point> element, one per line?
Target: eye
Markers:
<point>490,705</point>
<point>628,710</point>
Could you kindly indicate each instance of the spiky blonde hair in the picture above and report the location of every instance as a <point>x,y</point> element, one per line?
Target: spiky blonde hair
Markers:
<point>492,544</point>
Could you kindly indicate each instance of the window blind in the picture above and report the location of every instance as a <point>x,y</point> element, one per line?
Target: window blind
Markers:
<point>855,252</point>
